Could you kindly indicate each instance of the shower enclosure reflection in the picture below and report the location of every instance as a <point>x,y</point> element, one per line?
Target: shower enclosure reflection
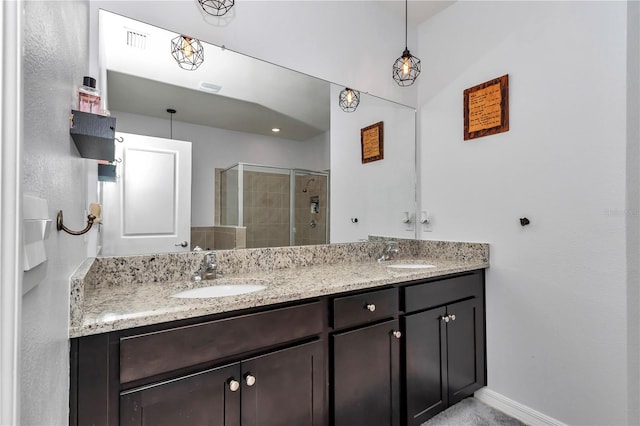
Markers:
<point>265,206</point>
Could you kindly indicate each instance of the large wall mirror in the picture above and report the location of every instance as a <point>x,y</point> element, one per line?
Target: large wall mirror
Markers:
<point>252,185</point>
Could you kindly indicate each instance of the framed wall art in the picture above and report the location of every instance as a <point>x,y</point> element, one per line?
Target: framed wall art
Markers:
<point>372,142</point>
<point>486,108</point>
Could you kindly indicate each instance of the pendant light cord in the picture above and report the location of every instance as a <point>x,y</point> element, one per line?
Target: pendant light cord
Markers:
<point>406,20</point>
<point>171,111</point>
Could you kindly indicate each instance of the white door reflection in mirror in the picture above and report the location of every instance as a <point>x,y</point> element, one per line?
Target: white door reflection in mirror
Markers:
<point>148,209</point>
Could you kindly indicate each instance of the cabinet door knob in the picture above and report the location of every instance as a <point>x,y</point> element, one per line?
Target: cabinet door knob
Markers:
<point>445,318</point>
<point>234,385</point>
<point>453,317</point>
<point>250,380</point>
<point>397,334</point>
<point>370,307</point>
<point>182,244</point>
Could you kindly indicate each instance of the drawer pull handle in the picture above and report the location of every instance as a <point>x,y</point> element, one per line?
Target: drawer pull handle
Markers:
<point>370,307</point>
<point>448,318</point>
<point>234,385</point>
<point>250,380</point>
<point>397,334</point>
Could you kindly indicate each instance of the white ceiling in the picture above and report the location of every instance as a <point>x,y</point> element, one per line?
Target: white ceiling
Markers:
<point>128,93</point>
<point>419,10</point>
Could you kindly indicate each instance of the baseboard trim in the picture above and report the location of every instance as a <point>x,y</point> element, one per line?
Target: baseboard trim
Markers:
<point>515,409</point>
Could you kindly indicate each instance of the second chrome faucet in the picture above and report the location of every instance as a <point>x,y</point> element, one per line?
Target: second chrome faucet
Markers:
<point>390,250</point>
<point>208,268</point>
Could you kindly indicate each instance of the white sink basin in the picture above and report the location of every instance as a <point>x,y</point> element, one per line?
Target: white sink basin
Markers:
<point>219,291</point>
<point>410,266</point>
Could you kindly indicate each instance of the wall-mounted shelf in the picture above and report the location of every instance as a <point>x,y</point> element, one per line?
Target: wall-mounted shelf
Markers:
<point>93,135</point>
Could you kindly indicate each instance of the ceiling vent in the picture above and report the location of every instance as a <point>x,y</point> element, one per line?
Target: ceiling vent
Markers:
<point>209,87</point>
<point>136,40</point>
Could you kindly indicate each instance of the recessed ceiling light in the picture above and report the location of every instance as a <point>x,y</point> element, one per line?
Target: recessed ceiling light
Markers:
<point>275,130</point>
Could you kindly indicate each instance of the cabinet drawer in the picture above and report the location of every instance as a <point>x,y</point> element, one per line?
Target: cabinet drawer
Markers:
<point>437,293</point>
<point>159,352</point>
<point>364,307</point>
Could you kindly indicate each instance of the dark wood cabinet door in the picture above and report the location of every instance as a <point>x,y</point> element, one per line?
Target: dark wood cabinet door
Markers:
<point>425,365</point>
<point>366,376</point>
<point>202,399</point>
<point>285,388</point>
<point>465,340</point>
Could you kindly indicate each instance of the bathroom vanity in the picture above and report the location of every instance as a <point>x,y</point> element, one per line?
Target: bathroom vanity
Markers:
<point>341,343</point>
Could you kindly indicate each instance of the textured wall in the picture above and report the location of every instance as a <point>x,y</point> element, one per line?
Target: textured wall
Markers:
<point>633,207</point>
<point>56,58</point>
<point>556,289</point>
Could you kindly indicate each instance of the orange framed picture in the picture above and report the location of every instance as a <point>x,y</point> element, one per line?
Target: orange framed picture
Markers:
<point>372,142</point>
<point>486,108</point>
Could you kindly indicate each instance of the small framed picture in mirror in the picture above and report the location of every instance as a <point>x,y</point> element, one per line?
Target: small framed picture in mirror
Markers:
<point>372,142</point>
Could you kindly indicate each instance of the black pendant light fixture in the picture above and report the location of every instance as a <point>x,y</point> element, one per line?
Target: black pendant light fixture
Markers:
<point>407,67</point>
<point>349,99</point>
<point>216,7</point>
<point>188,52</point>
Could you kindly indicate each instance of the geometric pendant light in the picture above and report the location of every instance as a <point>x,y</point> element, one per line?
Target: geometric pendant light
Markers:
<point>349,99</point>
<point>188,52</point>
<point>216,7</point>
<point>407,67</point>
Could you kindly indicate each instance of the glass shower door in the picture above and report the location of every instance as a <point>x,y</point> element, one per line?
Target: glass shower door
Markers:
<point>229,201</point>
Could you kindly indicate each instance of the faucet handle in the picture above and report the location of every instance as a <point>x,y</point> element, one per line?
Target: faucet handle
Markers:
<point>208,258</point>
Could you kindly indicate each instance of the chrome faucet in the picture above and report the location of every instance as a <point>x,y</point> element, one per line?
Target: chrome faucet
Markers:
<point>208,268</point>
<point>389,251</point>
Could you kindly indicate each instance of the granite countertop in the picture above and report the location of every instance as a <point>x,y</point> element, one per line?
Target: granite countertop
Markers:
<point>105,308</point>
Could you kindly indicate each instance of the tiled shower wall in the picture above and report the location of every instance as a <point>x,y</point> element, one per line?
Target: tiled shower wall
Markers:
<point>266,210</point>
<point>311,228</point>
<point>218,237</point>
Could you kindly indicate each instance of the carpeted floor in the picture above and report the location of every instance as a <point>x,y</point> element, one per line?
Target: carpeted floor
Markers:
<point>472,412</point>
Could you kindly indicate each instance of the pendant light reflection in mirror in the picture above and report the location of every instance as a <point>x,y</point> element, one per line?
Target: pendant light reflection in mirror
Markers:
<point>349,99</point>
<point>171,111</point>
<point>407,67</point>
<point>188,52</point>
<point>216,7</point>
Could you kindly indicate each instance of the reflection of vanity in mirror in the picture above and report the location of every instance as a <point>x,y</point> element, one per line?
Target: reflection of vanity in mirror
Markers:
<point>250,185</point>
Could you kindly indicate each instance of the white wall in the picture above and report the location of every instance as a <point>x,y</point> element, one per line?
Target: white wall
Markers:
<point>352,43</point>
<point>217,148</point>
<point>55,59</point>
<point>556,289</point>
<point>376,193</point>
